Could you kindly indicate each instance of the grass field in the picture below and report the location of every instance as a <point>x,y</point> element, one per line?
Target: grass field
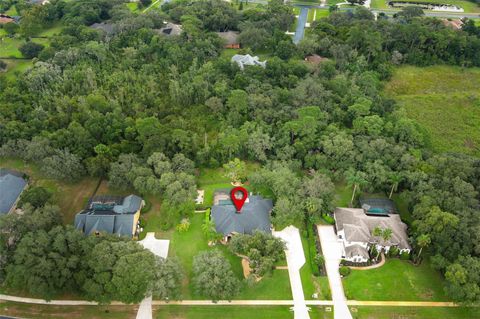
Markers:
<point>414,313</point>
<point>14,66</point>
<point>445,100</point>
<point>71,198</point>
<point>316,14</point>
<point>396,280</point>
<point>23,310</point>
<point>379,4</point>
<point>234,312</point>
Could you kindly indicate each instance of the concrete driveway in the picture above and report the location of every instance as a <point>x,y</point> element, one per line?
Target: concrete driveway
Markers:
<point>157,246</point>
<point>302,20</point>
<point>295,261</point>
<point>332,251</point>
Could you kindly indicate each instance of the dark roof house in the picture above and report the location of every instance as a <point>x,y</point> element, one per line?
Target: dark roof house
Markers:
<point>170,29</point>
<point>110,214</point>
<point>254,215</point>
<point>230,39</point>
<point>12,185</point>
<point>106,28</point>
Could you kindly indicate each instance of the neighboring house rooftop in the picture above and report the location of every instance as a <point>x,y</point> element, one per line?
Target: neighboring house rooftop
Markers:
<point>170,29</point>
<point>243,60</point>
<point>315,59</point>
<point>455,24</point>
<point>255,215</point>
<point>4,19</point>
<point>110,214</point>
<point>356,250</point>
<point>230,38</point>
<point>12,185</point>
<point>107,28</point>
<point>358,227</point>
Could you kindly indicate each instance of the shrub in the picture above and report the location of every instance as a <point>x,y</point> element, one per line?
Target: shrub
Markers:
<point>319,260</point>
<point>393,252</point>
<point>37,196</point>
<point>147,207</point>
<point>31,49</point>
<point>345,271</point>
<point>184,225</point>
<point>327,218</point>
<point>404,256</point>
<point>3,65</point>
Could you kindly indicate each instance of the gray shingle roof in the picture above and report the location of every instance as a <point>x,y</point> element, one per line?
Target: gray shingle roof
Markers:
<point>359,227</point>
<point>109,214</point>
<point>255,215</point>
<point>356,250</point>
<point>11,186</point>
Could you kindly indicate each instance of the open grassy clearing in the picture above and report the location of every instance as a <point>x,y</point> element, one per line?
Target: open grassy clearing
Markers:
<point>233,312</point>
<point>23,310</point>
<point>445,101</point>
<point>396,280</point>
<point>71,197</point>
<point>317,14</point>
<point>379,4</point>
<point>15,66</point>
<point>413,313</point>
<point>10,47</point>
<point>132,6</point>
<point>12,11</point>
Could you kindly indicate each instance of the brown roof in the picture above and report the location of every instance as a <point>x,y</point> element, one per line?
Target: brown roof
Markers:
<point>315,59</point>
<point>6,19</point>
<point>230,37</point>
<point>454,23</point>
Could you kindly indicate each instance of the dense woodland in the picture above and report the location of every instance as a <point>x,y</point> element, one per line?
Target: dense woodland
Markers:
<point>143,110</point>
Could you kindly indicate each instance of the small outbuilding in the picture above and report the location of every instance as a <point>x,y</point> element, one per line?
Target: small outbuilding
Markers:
<point>230,39</point>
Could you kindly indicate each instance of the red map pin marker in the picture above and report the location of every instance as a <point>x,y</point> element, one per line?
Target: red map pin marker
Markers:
<point>238,202</point>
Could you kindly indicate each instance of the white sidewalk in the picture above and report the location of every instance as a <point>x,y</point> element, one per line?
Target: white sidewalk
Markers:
<point>158,247</point>
<point>332,252</point>
<point>295,260</point>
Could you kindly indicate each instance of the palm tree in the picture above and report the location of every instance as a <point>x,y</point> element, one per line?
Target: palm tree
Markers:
<point>377,232</point>
<point>355,179</point>
<point>423,241</point>
<point>387,234</point>
<point>395,179</point>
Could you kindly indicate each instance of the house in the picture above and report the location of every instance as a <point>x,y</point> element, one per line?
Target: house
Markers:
<point>170,29</point>
<point>4,19</point>
<point>42,2</point>
<point>355,227</point>
<point>230,39</point>
<point>247,59</point>
<point>254,215</point>
<point>104,27</point>
<point>455,24</point>
<point>315,59</point>
<point>12,184</point>
<point>111,214</point>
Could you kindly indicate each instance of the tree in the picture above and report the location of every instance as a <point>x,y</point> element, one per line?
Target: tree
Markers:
<point>31,49</point>
<point>236,170</point>
<point>37,196</point>
<point>355,179</point>
<point>11,28</point>
<point>387,234</point>
<point>3,65</point>
<point>422,242</point>
<point>463,281</point>
<point>262,249</point>
<point>213,276</point>
<point>411,12</point>
<point>146,3</point>
<point>395,179</point>
<point>168,278</point>
<point>63,166</point>
<point>287,212</point>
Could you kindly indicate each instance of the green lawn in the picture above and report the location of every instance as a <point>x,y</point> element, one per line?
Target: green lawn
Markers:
<point>71,198</point>
<point>466,5</point>
<point>53,30</point>
<point>379,4</point>
<point>343,195</point>
<point>9,48</point>
<point>233,312</point>
<point>413,313</point>
<point>23,310</point>
<point>186,245</point>
<point>12,11</point>
<point>133,6</point>
<point>316,14</point>
<point>14,66</point>
<point>396,280</point>
<point>445,101</point>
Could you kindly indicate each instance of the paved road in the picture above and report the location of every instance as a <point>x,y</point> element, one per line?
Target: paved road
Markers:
<point>295,260</point>
<point>302,19</point>
<point>332,251</point>
<point>145,309</point>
